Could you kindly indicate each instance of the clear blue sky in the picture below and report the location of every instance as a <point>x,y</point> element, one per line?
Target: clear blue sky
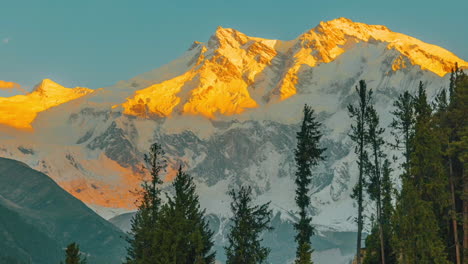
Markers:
<point>95,43</point>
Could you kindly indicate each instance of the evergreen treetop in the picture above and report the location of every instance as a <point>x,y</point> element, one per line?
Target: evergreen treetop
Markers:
<point>184,235</point>
<point>249,221</point>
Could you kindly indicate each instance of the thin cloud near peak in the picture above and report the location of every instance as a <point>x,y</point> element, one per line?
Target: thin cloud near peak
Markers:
<point>4,85</point>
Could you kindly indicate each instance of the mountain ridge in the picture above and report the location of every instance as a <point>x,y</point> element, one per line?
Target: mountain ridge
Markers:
<point>233,72</point>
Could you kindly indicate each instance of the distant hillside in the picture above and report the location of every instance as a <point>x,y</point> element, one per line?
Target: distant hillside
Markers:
<point>38,219</point>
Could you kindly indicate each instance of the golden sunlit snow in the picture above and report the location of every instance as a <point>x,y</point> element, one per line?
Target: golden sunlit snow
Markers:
<point>19,111</point>
<point>222,76</point>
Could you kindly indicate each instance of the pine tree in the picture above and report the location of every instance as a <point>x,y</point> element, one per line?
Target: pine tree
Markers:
<point>183,231</point>
<point>428,173</point>
<point>420,207</point>
<point>73,255</point>
<point>142,247</point>
<point>415,226</point>
<point>374,137</point>
<point>444,129</point>
<point>402,127</point>
<point>358,135</point>
<point>248,223</point>
<point>308,153</point>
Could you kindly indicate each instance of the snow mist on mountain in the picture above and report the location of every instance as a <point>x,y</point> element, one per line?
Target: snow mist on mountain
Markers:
<point>228,111</point>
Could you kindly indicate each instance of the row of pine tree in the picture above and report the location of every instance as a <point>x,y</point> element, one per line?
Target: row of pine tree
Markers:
<point>178,232</point>
<point>425,220</point>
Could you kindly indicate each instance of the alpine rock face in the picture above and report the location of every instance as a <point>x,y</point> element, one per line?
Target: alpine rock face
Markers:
<point>228,111</point>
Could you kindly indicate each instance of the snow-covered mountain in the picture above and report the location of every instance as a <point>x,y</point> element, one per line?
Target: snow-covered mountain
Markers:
<point>228,110</point>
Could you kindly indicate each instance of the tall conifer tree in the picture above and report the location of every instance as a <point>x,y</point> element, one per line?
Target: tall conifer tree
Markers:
<point>142,249</point>
<point>444,130</point>
<point>402,127</point>
<point>358,132</point>
<point>374,171</point>
<point>308,154</point>
<point>418,214</point>
<point>456,152</point>
<point>428,173</point>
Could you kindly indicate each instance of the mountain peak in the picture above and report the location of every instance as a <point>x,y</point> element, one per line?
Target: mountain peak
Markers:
<point>330,39</point>
<point>340,20</point>
<point>227,36</point>
<point>221,30</point>
<point>347,27</point>
<point>347,24</point>
<point>48,87</point>
<point>20,111</point>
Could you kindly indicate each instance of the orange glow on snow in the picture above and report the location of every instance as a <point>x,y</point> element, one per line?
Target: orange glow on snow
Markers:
<point>19,111</point>
<point>223,78</point>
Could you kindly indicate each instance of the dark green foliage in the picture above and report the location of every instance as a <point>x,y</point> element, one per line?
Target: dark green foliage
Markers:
<point>304,254</point>
<point>183,234</point>
<point>142,248</point>
<point>420,215</point>
<point>307,154</point>
<point>373,255</point>
<point>416,237</point>
<point>454,124</point>
<point>427,169</point>
<point>358,135</point>
<point>444,131</point>
<point>73,255</point>
<point>248,223</point>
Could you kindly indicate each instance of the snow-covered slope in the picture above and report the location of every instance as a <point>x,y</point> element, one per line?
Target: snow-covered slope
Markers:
<point>20,110</point>
<point>228,110</point>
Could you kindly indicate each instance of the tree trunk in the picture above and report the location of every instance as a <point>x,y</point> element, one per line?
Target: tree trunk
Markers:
<point>381,234</point>
<point>454,215</point>
<point>382,245</point>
